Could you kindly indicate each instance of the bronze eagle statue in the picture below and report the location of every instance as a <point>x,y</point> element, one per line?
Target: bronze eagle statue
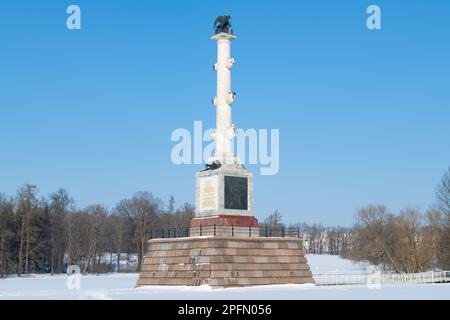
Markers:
<point>223,24</point>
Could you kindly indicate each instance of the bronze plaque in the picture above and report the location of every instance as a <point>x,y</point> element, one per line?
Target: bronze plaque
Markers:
<point>236,193</point>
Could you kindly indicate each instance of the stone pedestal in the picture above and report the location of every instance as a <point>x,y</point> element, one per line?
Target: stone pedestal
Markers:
<point>225,262</point>
<point>224,203</point>
<point>227,190</point>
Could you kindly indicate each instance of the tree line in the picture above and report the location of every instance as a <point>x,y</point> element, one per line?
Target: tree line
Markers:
<point>45,235</point>
<point>409,241</point>
<point>318,239</point>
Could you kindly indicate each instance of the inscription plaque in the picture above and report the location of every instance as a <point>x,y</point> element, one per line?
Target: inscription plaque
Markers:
<point>208,193</point>
<point>236,193</point>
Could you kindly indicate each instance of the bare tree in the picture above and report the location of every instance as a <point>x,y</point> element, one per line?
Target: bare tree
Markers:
<point>443,195</point>
<point>171,208</point>
<point>96,225</point>
<point>443,206</point>
<point>413,250</point>
<point>26,206</point>
<point>118,228</point>
<point>6,235</point>
<point>142,211</point>
<point>58,209</point>
<point>408,242</point>
<point>374,233</point>
<point>274,220</point>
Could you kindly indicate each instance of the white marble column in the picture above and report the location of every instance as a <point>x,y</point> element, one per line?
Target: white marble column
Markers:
<point>225,97</point>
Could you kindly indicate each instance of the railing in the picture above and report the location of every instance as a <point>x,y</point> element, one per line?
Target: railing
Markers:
<point>177,232</point>
<point>262,230</point>
<point>381,278</point>
<point>265,231</point>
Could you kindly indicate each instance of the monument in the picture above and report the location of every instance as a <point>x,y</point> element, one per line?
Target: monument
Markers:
<point>224,248</point>
<point>224,190</point>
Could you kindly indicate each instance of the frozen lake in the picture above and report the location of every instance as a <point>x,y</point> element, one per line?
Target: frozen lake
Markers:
<point>121,286</point>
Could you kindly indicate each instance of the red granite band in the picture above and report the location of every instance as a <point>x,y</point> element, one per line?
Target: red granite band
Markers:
<point>225,220</point>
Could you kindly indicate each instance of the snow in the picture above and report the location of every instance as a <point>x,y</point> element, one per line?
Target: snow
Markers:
<point>122,286</point>
<point>328,264</point>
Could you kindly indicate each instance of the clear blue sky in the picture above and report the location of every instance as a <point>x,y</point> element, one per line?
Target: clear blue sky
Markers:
<point>364,116</point>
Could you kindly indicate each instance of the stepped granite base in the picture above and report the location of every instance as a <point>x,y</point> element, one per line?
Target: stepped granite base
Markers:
<point>225,262</point>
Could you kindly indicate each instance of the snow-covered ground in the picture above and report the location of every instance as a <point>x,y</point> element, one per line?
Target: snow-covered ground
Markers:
<point>327,264</point>
<point>121,286</point>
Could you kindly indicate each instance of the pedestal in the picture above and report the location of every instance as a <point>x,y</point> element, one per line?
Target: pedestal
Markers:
<point>224,203</point>
<point>225,262</point>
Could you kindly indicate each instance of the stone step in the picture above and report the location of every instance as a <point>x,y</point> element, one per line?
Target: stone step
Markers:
<point>238,282</point>
<point>269,243</point>
<point>225,259</point>
<point>223,282</point>
<point>226,274</point>
<point>226,267</point>
<point>223,252</point>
